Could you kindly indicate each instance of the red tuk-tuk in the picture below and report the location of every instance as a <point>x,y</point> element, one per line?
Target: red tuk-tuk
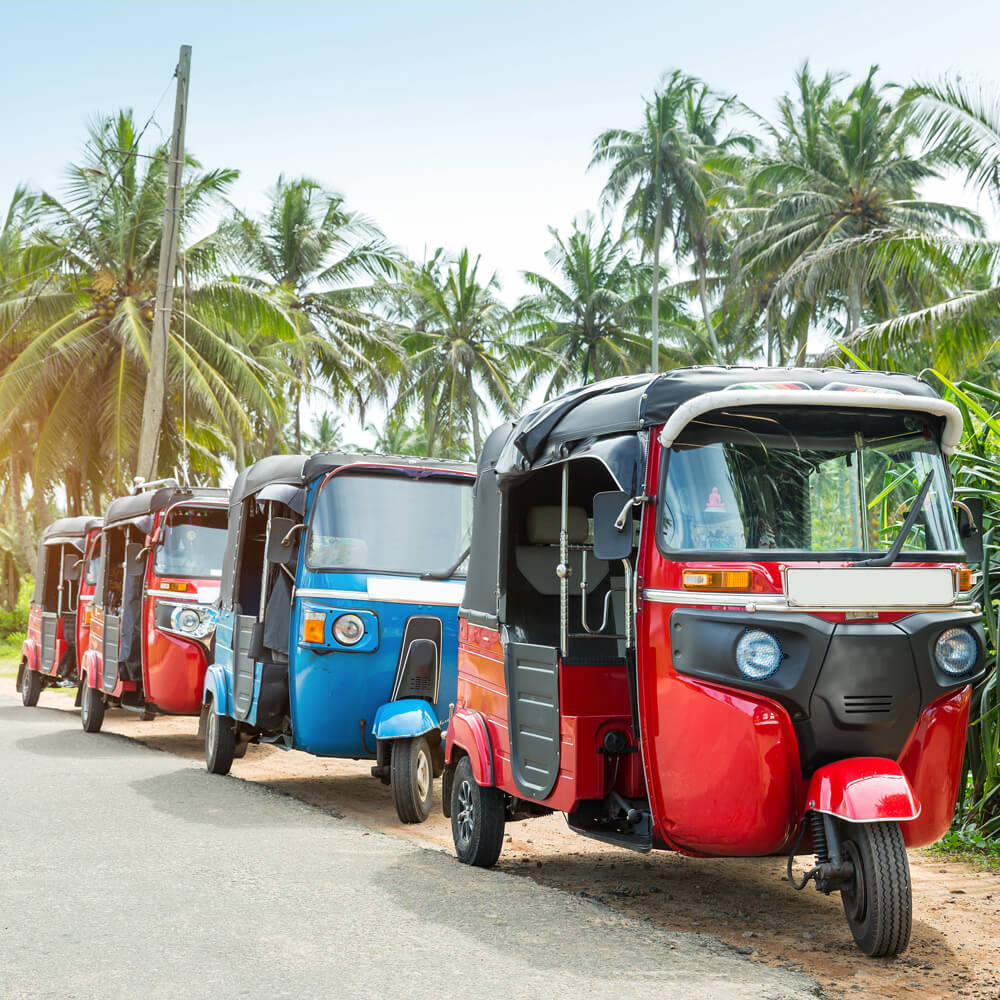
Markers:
<point>724,612</point>
<point>49,655</point>
<point>153,615</point>
<point>85,597</point>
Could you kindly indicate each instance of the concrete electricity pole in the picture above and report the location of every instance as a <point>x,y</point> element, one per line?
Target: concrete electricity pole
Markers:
<point>156,379</point>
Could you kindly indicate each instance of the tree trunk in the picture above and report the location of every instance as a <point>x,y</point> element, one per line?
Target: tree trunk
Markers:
<point>474,412</point>
<point>853,305</point>
<point>703,296</point>
<point>657,240</point>
<point>19,516</point>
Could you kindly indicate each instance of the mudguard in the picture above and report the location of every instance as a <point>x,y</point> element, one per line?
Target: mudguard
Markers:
<point>404,719</point>
<point>217,687</point>
<point>30,653</point>
<point>863,790</point>
<point>467,731</point>
<point>91,666</point>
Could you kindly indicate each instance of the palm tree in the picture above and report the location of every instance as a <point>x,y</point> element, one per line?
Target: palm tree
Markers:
<point>666,172</point>
<point>457,336</point>
<point>587,323</point>
<point>78,359</point>
<point>838,177</point>
<point>317,260</point>
<point>327,435</point>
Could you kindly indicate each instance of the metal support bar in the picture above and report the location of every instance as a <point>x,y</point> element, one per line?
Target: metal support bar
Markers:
<point>564,564</point>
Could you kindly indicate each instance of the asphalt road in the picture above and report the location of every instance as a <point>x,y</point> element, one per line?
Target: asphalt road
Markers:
<point>132,873</point>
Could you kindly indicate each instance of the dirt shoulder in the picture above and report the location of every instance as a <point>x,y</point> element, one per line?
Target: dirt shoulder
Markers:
<point>747,903</point>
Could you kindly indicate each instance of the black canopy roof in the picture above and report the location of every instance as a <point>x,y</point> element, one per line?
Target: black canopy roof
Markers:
<point>631,403</point>
<point>297,470</point>
<point>69,531</point>
<point>131,507</point>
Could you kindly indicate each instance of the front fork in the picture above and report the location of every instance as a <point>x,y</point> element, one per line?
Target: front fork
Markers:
<point>832,870</point>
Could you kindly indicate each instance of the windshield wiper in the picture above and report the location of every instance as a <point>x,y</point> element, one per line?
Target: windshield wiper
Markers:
<point>897,546</point>
<point>447,573</point>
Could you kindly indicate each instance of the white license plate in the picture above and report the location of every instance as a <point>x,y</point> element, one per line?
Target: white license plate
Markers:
<point>870,587</point>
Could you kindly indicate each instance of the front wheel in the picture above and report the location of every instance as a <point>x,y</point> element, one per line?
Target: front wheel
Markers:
<point>879,902</point>
<point>91,708</point>
<point>31,687</point>
<point>412,779</point>
<point>220,742</point>
<point>477,818</point>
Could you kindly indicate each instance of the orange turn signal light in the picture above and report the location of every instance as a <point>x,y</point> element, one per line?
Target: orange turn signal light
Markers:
<point>963,579</point>
<point>178,586</point>
<point>716,579</point>
<point>314,626</point>
<point>88,614</point>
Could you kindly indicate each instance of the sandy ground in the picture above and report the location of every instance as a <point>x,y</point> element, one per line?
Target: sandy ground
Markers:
<point>954,950</point>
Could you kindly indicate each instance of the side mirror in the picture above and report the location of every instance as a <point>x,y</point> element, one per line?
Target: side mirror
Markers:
<point>612,509</point>
<point>281,549</point>
<point>134,552</point>
<point>970,527</point>
<point>72,573</point>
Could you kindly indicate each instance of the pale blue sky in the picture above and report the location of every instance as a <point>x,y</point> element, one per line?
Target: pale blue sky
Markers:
<point>450,123</point>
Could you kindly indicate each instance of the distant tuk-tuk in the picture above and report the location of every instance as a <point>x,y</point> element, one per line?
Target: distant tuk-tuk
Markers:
<point>338,629</point>
<point>724,612</point>
<point>49,654</point>
<point>153,615</point>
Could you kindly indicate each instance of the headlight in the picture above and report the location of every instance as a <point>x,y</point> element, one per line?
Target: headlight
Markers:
<point>348,630</point>
<point>956,651</point>
<point>758,654</point>
<point>193,621</point>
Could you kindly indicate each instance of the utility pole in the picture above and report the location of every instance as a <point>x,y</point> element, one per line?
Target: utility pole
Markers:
<point>156,379</point>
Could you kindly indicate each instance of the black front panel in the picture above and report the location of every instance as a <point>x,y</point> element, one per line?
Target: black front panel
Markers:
<point>851,689</point>
<point>419,666</point>
<point>244,672</point>
<point>533,716</point>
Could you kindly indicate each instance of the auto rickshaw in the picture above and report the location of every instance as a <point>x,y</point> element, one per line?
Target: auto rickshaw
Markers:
<point>724,612</point>
<point>85,599</point>
<point>338,630</point>
<point>49,653</point>
<point>153,614</point>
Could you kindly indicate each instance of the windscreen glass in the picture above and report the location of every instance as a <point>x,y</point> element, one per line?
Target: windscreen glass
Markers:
<point>192,543</point>
<point>93,564</point>
<point>804,479</point>
<point>391,524</point>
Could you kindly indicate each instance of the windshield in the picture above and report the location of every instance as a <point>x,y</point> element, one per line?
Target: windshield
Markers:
<point>93,563</point>
<point>802,479</point>
<point>390,524</point>
<point>192,543</point>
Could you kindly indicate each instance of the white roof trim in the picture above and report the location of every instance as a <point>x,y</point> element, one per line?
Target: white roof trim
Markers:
<point>868,400</point>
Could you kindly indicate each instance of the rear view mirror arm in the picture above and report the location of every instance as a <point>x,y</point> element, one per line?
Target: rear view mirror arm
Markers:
<point>287,540</point>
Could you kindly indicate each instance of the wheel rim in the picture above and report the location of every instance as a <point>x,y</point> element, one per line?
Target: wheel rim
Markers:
<point>85,705</point>
<point>466,812</point>
<point>212,725</point>
<point>423,775</point>
<point>855,897</point>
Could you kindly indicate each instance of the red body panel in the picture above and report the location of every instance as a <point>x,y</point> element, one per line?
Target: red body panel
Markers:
<point>863,789</point>
<point>84,600</point>
<point>932,760</point>
<point>31,648</point>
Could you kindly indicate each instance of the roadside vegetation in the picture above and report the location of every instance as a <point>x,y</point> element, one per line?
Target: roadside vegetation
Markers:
<point>798,235</point>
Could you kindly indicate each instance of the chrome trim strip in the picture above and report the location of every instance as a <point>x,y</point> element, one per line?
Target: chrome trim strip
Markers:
<point>204,596</point>
<point>775,602</point>
<point>341,595</point>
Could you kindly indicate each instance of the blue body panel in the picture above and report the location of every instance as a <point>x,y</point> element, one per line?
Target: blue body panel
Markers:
<point>339,695</point>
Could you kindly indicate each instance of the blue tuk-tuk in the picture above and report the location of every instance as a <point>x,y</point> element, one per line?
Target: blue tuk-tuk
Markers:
<point>338,629</point>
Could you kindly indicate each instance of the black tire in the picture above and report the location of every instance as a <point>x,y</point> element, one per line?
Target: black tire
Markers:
<point>879,905</point>
<point>31,687</point>
<point>240,750</point>
<point>91,708</point>
<point>220,742</point>
<point>411,775</point>
<point>477,818</point>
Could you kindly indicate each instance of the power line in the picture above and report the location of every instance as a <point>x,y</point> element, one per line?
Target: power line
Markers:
<point>93,215</point>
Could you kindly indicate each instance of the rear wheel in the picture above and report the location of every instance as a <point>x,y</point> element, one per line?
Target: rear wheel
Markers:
<point>220,742</point>
<point>91,708</point>
<point>477,818</point>
<point>879,903</point>
<point>412,779</point>
<point>31,687</point>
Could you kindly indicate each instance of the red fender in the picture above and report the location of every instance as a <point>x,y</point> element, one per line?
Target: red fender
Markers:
<point>30,653</point>
<point>467,730</point>
<point>863,790</point>
<point>91,665</point>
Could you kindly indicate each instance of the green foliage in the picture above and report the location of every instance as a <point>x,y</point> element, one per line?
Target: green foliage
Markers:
<point>14,622</point>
